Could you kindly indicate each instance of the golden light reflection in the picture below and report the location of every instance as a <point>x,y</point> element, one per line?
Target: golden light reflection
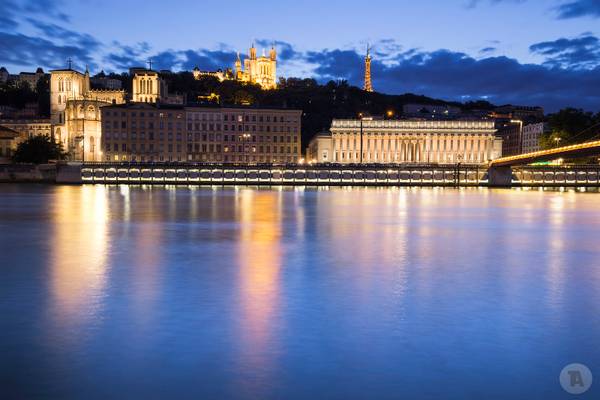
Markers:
<point>79,244</point>
<point>260,257</point>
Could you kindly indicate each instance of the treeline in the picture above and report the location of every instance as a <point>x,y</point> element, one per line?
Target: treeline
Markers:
<point>319,103</point>
<point>18,95</point>
<point>571,126</point>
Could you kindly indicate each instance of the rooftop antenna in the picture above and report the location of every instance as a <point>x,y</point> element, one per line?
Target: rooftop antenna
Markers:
<point>149,64</point>
<point>70,63</point>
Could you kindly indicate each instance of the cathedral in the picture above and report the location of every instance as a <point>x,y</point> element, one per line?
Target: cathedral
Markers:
<point>75,112</point>
<point>260,70</point>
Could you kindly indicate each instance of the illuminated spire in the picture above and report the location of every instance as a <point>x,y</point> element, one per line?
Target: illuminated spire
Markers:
<point>368,84</point>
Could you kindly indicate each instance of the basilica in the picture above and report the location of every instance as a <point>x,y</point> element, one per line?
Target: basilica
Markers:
<point>258,70</point>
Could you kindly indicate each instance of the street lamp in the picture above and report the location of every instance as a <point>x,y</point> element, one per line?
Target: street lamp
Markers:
<point>557,140</point>
<point>389,114</point>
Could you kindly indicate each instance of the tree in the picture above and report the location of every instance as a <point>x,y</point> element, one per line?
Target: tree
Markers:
<point>38,150</point>
<point>570,126</point>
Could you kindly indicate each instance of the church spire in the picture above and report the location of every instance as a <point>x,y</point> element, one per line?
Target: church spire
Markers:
<point>368,84</point>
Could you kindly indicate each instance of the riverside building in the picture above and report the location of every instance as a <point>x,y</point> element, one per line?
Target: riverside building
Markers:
<point>146,132</point>
<point>409,141</point>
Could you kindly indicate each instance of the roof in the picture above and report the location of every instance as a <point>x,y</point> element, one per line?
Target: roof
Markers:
<point>239,107</point>
<point>7,133</point>
<point>66,70</point>
<point>163,106</point>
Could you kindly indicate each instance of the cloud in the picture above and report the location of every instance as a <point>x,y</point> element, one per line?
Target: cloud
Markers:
<point>285,51</point>
<point>582,52</point>
<point>11,11</point>
<point>487,50</point>
<point>123,56</point>
<point>475,3</point>
<point>458,76</point>
<point>19,49</point>
<point>579,8</point>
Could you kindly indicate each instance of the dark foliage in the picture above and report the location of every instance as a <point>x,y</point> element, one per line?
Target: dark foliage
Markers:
<point>319,103</point>
<point>38,150</point>
<point>570,126</point>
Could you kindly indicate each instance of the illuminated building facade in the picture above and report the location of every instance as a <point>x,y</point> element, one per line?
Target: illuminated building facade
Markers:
<point>147,86</point>
<point>28,128</point>
<point>259,70</point>
<point>75,112</point>
<point>408,141</point>
<point>219,74</point>
<point>319,149</point>
<point>532,134</point>
<point>368,86</point>
<point>144,132</point>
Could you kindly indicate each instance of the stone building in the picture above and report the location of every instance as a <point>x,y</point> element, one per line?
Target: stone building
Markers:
<point>147,86</point>
<point>145,132</point>
<point>75,112</point>
<point>28,128</point>
<point>319,149</point>
<point>532,134</point>
<point>219,74</point>
<point>243,134</point>
<point>511,133</point>
<point>413,141</point>
<point>260,70</point>
<point>9,140</point>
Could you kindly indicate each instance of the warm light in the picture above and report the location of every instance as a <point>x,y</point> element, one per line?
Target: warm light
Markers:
<point>301,161</point>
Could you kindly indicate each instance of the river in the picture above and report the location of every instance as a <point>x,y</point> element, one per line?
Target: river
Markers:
<point>296,293</point>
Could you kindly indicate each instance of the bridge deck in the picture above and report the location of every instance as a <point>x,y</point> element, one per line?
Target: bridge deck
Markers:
<point>577,150</point>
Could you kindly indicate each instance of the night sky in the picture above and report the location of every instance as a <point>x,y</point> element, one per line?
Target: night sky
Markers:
<point>532,52</point>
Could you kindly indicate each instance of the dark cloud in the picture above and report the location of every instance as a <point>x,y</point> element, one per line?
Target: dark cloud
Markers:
<point>579,8</point>
<point>577,53</point>
<point>487,50</point>
<point>56,32</point>
<point>19,49</point>
<point>285,51</point>
<point>457,76</point>
<point>127,56</point>
<point>208,60</point>
<point>11,11</point>
<point>337,64</point>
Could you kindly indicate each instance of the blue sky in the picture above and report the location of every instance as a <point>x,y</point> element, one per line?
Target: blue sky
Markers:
<point>519,51</point>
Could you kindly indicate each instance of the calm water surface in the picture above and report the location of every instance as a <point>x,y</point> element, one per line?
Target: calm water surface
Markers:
<point>111,292</point>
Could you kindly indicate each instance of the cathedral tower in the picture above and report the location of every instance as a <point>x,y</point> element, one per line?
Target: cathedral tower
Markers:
<point>368,84</point>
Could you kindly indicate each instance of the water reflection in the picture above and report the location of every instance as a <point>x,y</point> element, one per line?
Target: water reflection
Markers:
<point>80,243</point>
<point>259,253</point>
<point>298,292</point>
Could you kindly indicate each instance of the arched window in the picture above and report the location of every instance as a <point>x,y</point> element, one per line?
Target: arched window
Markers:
<point>80,112</point>
<point>61,86</point>
<point>92,145</point>
<point>150,89</point>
